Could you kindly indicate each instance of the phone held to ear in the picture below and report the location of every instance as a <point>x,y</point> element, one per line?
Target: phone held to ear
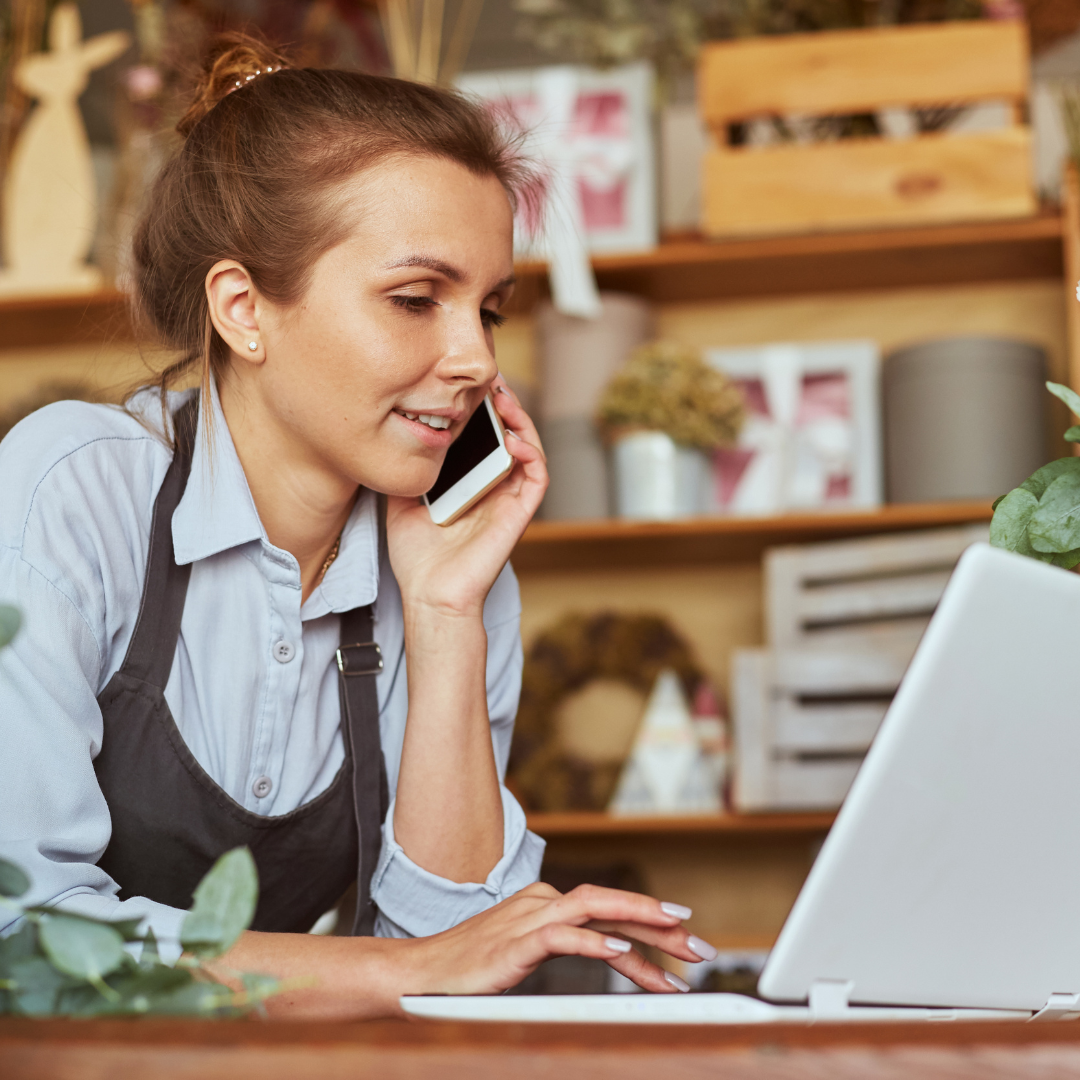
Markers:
<point>476,461</point>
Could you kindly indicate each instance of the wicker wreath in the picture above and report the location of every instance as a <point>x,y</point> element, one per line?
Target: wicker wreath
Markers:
<point>572,653</point>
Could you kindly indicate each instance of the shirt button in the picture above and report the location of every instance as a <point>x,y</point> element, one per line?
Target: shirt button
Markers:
<point>284,651</point>
<point>262,787</point>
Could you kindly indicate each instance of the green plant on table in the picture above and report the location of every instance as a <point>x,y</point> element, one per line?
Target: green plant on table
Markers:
<point>61,964</point>
<point>669,388</point>
<point>1041,518</point>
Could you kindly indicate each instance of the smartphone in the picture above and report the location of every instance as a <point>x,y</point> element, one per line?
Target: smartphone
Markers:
<point>476,461</point>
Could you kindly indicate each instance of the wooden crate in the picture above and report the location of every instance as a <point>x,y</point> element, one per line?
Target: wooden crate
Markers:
<point>865,182</point>
<point>802,722</point>
<point>861,594</point>
<point>843,620</point>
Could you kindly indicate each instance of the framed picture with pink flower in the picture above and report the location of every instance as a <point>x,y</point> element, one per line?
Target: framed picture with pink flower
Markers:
<point>589,133</point>
<point>812,435</point>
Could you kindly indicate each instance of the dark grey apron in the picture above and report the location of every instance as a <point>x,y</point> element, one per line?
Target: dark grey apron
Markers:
<point>170,821</point>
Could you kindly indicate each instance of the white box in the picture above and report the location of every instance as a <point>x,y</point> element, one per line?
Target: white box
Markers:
<point>607,144</point>
<point>812,437</point>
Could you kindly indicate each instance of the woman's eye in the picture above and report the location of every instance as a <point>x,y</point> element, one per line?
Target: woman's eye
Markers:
<point>415,304</point>
<point>491,318</point>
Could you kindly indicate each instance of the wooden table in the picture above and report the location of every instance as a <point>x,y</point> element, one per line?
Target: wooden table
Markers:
<point>253,1050</point>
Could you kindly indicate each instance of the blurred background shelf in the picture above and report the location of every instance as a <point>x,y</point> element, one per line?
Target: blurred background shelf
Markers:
<point>686,268</point>
<point>598,824</point>
<point>610,543</point>
<point>65,320</point>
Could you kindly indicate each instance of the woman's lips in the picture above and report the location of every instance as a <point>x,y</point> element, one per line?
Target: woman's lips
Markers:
<point>429,436</point>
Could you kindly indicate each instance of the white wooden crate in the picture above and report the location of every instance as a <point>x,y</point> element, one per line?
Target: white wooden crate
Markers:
<point>869,593</point>
<point>803,719</point>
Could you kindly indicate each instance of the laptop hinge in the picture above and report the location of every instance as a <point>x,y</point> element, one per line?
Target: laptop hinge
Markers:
<point>1059,1007</point>
<point>829,998</point>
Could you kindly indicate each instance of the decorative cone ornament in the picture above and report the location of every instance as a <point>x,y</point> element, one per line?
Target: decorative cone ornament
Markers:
<point>666,772</point>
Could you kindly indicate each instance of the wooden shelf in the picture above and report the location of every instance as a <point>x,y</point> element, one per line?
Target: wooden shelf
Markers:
<point>691,268</point>
<point>686,268</point>
<point>595,824</point>
<point>65,320</point>
<point>611,543</point>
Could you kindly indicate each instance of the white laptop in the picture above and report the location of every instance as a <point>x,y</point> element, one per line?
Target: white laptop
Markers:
<point>949,886</point>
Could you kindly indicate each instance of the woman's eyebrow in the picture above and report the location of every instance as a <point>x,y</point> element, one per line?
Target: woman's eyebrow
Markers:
<point>429,263</point>
<point>449,271</point>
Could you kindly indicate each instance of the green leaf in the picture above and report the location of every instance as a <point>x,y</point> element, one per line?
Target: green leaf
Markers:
<point>1055,525</point>
<point>1009,527</point>
<point>150,955</point>
<point>9,624</point>
<point>1041,479</point>
<point>259,987</point>
<point>1065,394</point>
<point>37,984</point>
<point>17,946</point>
<point>1073,434</point>
<point>1066,559</point>
<point>80,947</point>
<point>224,905</point>
<point>13,881</point>
<point>134,994</point>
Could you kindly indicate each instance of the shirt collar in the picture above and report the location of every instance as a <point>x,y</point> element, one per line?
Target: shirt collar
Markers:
<point>217,512</point>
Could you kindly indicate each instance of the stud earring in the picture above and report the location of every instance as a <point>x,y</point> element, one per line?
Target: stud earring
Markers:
<point>253,346</point>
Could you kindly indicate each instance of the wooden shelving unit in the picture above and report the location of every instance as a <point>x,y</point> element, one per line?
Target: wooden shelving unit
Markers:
<point>583,545</point>
<point>598,824</point>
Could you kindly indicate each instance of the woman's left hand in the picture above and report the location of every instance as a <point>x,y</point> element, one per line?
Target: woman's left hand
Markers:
<point>452,568</point>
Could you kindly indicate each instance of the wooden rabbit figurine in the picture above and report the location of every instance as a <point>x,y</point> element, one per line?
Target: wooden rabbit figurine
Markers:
<point>50,201</point>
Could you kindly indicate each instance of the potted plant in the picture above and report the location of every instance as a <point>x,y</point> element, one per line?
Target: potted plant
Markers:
<point>62,964</point>
<point>662,414</point>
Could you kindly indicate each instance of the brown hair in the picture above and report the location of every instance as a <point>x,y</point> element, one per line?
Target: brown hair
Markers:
<point>265,145</point>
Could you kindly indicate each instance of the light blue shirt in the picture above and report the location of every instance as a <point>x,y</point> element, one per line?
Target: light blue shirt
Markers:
<point>77,490</point>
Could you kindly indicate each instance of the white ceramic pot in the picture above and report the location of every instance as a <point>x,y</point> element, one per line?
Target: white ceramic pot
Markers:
<point>658,480</point>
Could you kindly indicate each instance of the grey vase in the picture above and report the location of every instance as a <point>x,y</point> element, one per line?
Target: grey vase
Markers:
<point>964,418</point>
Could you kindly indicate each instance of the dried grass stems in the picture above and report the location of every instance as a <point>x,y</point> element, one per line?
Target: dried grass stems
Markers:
<point>414,33</point>
<point>668,387</point>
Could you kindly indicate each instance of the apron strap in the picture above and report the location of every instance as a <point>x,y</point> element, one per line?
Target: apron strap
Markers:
<point>359,660</point>
<point>153,644</point>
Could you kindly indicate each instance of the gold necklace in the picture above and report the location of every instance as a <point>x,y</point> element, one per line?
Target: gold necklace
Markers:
<point>330,558</point>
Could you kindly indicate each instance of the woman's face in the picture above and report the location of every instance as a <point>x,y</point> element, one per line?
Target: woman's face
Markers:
<point>396,325</point>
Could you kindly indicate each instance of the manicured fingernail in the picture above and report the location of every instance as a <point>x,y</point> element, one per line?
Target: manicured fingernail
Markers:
<point>674,980</point>
<point>513,435</point>
<point>677,911</point>
<point>502,390</point>
<point>617,944</point>
<point>702,948</point>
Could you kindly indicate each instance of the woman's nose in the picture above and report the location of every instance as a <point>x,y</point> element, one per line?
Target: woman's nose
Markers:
<point>469,357</point>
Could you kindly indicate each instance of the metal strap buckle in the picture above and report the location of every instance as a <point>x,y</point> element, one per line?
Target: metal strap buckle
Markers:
<point>363,658</point>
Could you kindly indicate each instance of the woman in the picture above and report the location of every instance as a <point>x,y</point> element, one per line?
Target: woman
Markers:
<point>219,607</point>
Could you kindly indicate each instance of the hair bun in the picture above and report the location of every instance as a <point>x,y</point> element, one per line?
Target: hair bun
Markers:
<point>232,60</point>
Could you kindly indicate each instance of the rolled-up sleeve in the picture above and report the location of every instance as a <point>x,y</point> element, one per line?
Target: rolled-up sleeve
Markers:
<point>413,902</point>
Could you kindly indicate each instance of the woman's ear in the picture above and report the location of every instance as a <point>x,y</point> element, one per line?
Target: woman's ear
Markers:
<point>231,296</point>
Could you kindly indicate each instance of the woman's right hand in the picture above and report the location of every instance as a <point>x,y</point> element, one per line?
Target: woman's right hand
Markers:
<point>496,949</point>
